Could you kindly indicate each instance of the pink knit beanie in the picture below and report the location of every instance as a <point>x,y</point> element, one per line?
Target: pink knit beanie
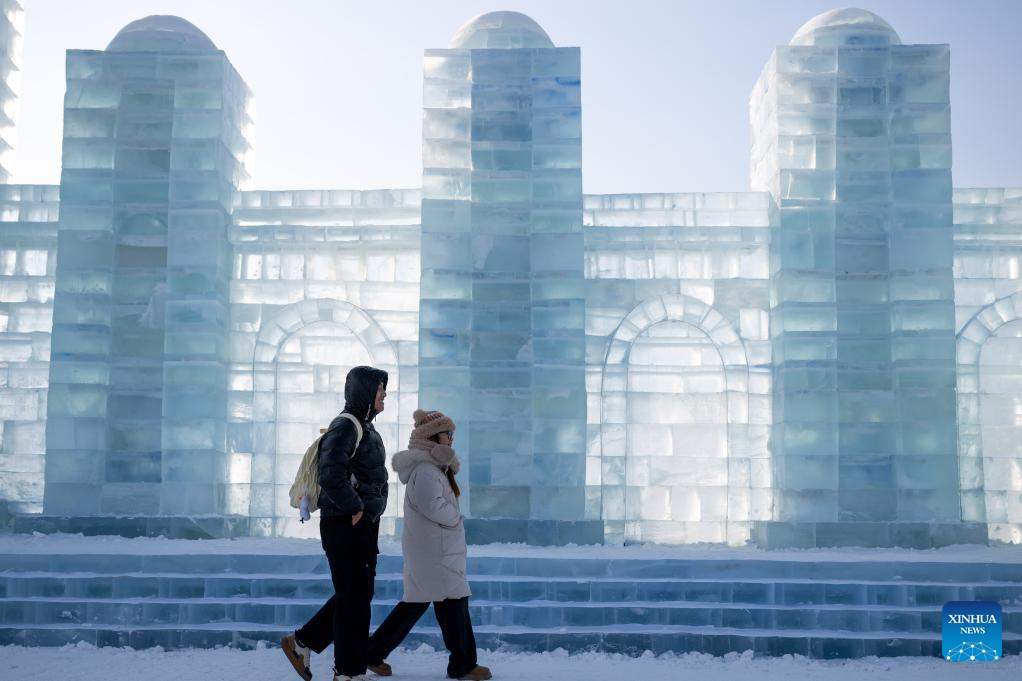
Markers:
<point>429,423</point>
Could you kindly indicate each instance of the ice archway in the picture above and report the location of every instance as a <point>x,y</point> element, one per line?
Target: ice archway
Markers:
<point>668,478</point>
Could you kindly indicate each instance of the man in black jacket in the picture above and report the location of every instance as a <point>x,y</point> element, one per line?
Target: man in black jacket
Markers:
<point>353,496</point>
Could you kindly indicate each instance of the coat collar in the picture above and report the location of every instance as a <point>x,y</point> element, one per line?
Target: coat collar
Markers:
<point>441,456</point>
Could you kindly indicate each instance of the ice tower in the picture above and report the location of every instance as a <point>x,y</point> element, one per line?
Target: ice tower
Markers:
<point>156,131</point>
<point>851,135</point>
<point>11,23</point>
<point>502,319</point>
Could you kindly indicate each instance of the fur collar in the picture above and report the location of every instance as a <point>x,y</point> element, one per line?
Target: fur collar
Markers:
<point>441,456</point>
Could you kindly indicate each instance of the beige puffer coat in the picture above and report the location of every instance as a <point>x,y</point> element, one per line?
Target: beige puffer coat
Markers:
<point>433,539</point>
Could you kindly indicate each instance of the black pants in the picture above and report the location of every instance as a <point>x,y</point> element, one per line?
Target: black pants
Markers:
<point>344,619</point>
<point>455,626</point>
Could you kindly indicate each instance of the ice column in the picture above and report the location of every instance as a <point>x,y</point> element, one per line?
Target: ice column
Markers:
<point>502,318</point>
<point>155,145</point>
<point>852,136</point>
<point>11,27</point>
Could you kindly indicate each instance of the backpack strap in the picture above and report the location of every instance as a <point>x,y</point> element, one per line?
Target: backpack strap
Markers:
<point>358,432</point>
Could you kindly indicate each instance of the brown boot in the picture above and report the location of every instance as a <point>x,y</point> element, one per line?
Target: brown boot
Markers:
<point>480,673</point>
<point>380,668</point>
<point>298,655</point>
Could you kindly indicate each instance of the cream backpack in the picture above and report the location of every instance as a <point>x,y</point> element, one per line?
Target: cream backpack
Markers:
<point>304,492</point>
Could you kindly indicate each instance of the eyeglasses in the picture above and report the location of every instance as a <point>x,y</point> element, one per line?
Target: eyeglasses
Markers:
<point>449,434</point>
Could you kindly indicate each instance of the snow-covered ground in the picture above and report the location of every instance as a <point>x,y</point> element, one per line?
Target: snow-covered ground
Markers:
<point>86,663</point>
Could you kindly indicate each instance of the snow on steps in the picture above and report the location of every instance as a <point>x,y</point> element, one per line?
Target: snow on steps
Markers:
<point>816,603</point>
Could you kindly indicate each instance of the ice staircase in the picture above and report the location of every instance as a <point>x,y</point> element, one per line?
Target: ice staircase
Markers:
<point>816,603</point>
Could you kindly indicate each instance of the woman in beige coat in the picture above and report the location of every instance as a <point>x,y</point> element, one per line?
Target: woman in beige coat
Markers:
<point>433,545</point>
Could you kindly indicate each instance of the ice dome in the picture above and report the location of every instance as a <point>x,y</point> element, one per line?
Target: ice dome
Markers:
<point>500,30</point>
<point>161,33</point>
<point>848,26</point>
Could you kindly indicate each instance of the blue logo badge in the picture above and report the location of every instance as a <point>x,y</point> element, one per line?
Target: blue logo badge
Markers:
<point>971,631</point>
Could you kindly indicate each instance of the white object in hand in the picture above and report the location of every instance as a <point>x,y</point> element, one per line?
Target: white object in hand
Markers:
<point>303,508</point>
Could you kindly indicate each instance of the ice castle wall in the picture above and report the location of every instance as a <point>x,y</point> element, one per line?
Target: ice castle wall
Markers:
<point>678,365</point>
<point>310,253</point>
<point>322,281</point>
<point>28,247</point>
<point>203,334</point>
<point>988,307</point>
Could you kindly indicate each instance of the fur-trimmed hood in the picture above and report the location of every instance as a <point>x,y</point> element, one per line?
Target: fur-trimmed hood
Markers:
<point>441,456</point>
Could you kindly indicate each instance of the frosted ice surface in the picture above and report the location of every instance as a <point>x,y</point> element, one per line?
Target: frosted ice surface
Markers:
<point>501,30</point>
<point>848,26</point>
<point>161,33</point>
<point>673,365</point>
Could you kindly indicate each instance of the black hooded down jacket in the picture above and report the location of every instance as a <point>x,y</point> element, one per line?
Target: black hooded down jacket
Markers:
<point>369,464</point>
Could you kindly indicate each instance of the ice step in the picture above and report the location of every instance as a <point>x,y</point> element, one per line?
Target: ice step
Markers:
<point>819,604</point>
<point>532,614</point>
<point>588,568</point>
<point>513,589</point>
<point>625,639</point>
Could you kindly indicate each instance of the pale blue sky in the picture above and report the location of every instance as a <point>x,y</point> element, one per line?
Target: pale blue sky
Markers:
<point>665,84</point>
